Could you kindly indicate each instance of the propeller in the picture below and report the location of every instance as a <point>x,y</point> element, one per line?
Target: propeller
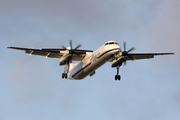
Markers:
<point>62,46</point>
<point>71,50</point>
<point>125,53</point>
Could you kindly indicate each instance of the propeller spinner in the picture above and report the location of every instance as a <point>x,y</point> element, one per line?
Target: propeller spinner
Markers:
<point>71,50</point>
<point>125,53</point>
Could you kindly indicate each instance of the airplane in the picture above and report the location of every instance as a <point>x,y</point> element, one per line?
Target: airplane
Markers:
<point>90,60</point>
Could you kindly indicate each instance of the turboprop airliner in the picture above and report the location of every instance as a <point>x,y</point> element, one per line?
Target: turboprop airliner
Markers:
<point>90,60</point>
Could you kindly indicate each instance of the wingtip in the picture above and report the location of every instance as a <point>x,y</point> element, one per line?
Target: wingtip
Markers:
<point>173,53</point>
<point>8,47</point>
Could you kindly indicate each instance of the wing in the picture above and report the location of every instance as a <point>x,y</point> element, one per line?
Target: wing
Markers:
<point>134,56</point>
<point>53,53</point>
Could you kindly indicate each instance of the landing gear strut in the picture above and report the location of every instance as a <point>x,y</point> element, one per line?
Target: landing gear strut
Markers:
<point>117,77</point>
<point>64,75</point>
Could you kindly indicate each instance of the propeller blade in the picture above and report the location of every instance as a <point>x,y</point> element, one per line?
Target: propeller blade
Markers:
<point>124,43</point>
<point>70,42</point>
<point>78,47</point>
<point>62,46</point>
<point>133,48</point>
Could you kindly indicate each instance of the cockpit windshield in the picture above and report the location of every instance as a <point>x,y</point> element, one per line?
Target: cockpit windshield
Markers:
<point>111,43</point>
<point>116,43</point>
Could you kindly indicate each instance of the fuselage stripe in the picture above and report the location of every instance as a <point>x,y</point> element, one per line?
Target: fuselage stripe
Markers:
<point>81,70</point>
<point>107,52</point>
<point>90,62</point>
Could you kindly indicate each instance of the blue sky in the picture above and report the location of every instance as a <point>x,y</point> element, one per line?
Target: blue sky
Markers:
<point>31,87</point>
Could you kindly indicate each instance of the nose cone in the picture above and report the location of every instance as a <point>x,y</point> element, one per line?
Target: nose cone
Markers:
<point>112,45</point>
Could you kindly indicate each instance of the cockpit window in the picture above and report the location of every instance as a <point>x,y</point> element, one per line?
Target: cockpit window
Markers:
<point>106,44</point>
<point>110,43</point>
<point>116,43</point>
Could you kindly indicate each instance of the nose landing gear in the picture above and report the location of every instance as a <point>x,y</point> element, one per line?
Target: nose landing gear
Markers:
<point>117,77</point>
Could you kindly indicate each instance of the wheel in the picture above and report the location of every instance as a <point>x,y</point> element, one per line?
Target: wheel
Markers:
<point>62,75</point>
<point>116,77</point>
<point>119,77</point>
<point>65,76</point>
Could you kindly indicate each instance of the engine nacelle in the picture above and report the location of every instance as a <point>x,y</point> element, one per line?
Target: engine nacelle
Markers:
<point>118,62</point>
<point>64,59</point>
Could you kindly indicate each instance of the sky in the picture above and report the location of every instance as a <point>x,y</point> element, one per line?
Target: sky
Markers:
<point>31,87</point>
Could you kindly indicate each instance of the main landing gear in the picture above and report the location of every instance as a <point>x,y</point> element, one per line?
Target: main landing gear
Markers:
<point>64,75</point>
<point>117,77</point>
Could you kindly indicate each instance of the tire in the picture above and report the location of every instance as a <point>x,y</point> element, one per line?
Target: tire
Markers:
<point>116,77</point>
<point>62,75</point>
<point>65,76</point>
<point>119,77</point>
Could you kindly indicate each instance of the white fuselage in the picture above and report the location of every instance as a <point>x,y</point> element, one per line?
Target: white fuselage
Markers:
<point>93,61</point>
